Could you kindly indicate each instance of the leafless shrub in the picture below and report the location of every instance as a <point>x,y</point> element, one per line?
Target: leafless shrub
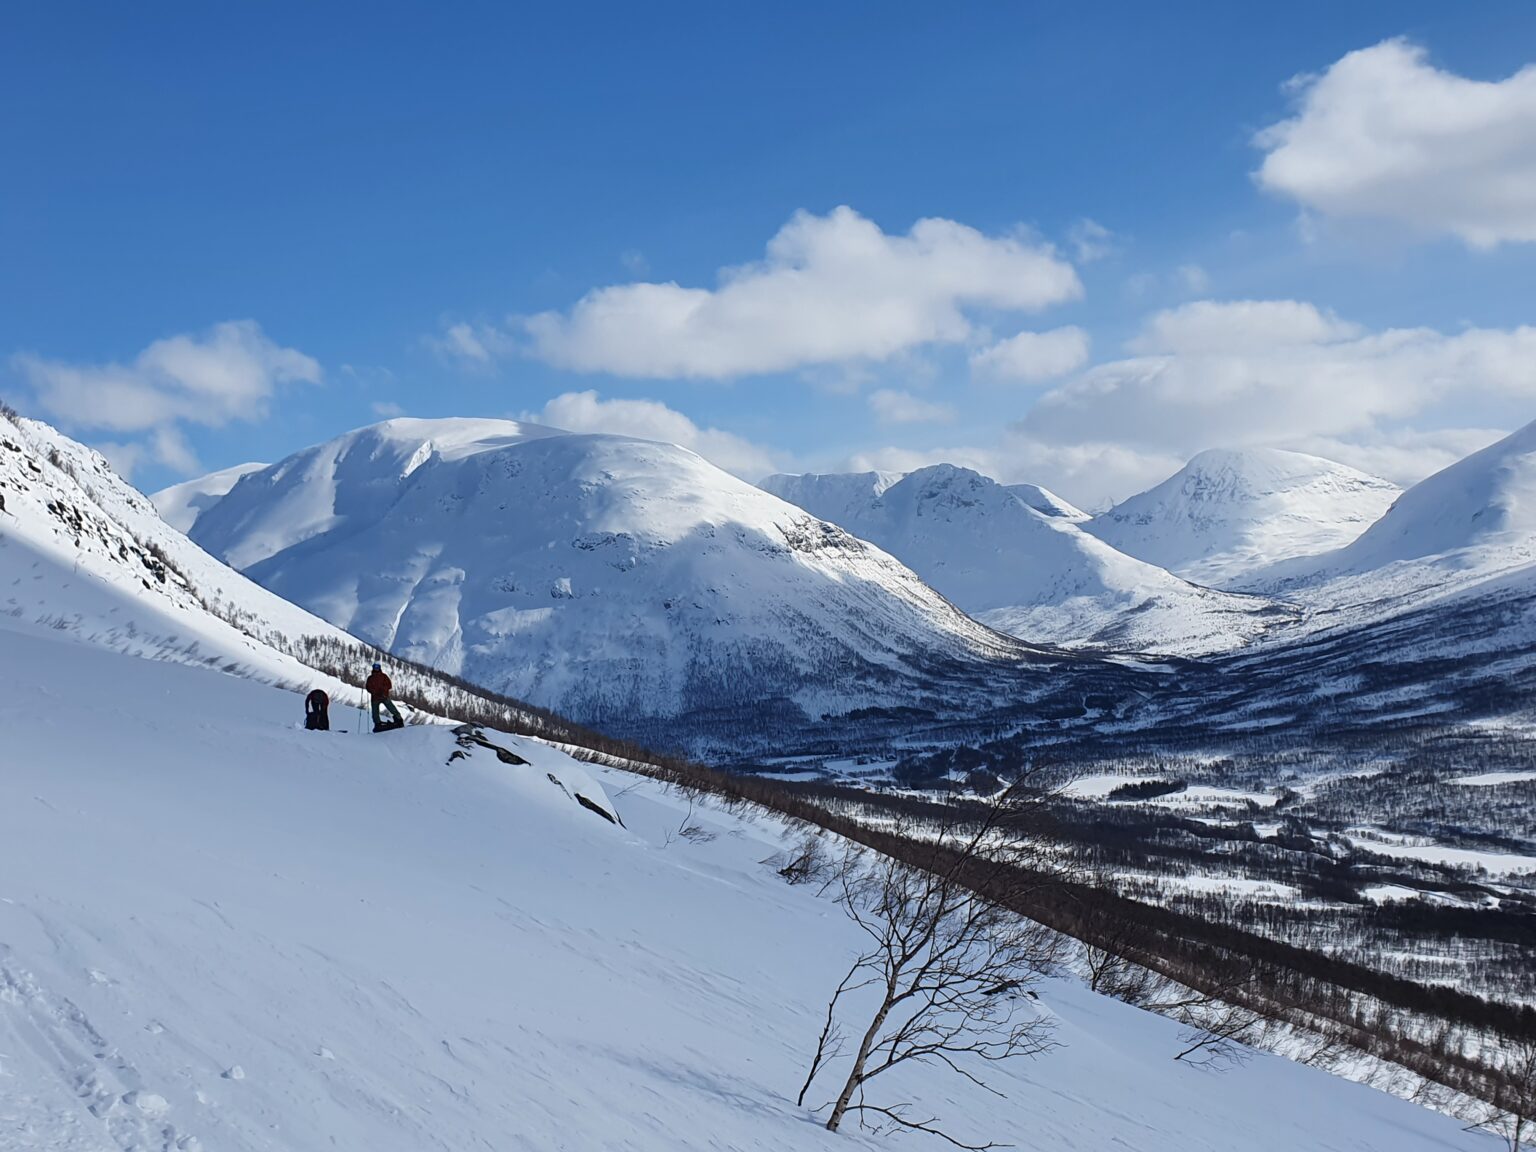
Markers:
<point>947,970</point>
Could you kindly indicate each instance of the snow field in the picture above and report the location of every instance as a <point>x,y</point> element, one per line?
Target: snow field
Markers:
<point>223,933</point>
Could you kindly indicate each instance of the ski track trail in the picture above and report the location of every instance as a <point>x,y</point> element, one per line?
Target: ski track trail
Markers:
<point>85,1094</point>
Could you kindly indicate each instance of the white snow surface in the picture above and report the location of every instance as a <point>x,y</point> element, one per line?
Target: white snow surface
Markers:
<point>1018,561</point>
<point>1469,524</point>
<point>78,552</point>
<point>1227,513</point>
<point>1466,534</point>
<point>600,575</point>
<point>181,504</point>
<point>222,934</point>
<point>1046,502</point>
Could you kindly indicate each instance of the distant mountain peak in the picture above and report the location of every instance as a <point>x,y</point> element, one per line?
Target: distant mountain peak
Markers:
<point>1484,502</point>
<point>1014,556</point>
<point>1230,512</point>
<point>617,579</point>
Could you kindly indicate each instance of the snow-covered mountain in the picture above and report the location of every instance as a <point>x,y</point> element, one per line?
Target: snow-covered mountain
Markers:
<point>1479,512</point>
<point>1226,514</point>
<point>604,576</point>
<point>1047,503</point>
<point>1018,560</point>
<point>1471,524</point>
<point>181,504</point>
<point>85,553</point>
<point>222,934</point>
<point>834,496</point>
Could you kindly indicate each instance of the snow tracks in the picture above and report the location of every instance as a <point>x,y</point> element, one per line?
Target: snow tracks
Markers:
<point>65,1087</point>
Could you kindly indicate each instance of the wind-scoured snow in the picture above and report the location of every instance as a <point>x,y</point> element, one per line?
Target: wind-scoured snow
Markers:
<point>1025,569</point>
<point>219,933</point>
<point>1228,513</point>
<point>603,576</point>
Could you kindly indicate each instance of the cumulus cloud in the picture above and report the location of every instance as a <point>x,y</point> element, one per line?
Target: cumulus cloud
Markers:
<point>893,406</point>
<point>1383,133</point>
<point>1404,456</point>
<point>226,374</point>
<point>1250,373</point>
<point>1216,326</point>
<point>652,420</point>
<point>830,290</point>
<point>1229,374</point>
<point>1033,356</point>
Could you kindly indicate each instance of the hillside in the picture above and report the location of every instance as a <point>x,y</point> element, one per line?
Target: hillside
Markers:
<point>221,933</point>
<point>1464,536</point>
<point>1479,513</point>
<point>1226,514</point>
<point>1014,557</point>
<point>610,578</point>
<point>84,553</point>
<point>181,504</point>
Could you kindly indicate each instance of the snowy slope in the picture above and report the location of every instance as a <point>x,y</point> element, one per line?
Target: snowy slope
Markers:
<point>84,552</point>
<point>1479,512</point>
<point>221,934</point>
<point>1225,514</point>
<point>1046,502</point>
<point>833,496</point>
<point>1468,527</point>
<point>181,504</point>
<point>606,577</point>
<point>995,553</point>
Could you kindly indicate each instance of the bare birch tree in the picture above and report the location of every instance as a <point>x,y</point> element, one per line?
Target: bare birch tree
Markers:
<point>946,972</point>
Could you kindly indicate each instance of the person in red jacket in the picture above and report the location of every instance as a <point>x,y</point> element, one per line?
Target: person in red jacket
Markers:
<point>378,686</point>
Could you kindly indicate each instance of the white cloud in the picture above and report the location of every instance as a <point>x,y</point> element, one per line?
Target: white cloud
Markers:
<point>1213,326</point>
<point>228,373</point>
<point>1280,372</point>
<point>1033,356</point>
<point>652,420</point>
<point>892,406</point>
<point>1249,373</point>
<point>386,409</point>
<point>1383,133</point>
<point>468,343</point>
<point>831,289</point>
<point>1090,240</point>
<point>1404,456</point>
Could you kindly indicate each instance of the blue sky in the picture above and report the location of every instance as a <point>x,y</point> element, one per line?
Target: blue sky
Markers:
<point>373,200</point>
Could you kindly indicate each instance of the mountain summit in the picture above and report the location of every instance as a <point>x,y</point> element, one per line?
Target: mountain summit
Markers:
<point>1228,513</point>
<point>1016,558</point>
<point>608,577</point>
